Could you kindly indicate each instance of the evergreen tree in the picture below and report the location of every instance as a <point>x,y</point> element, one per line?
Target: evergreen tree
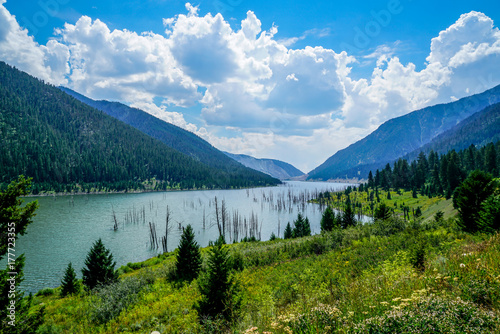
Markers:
<point>469,197</point>
<point>69,283</point>
<point>14,219</point>
<point>490,159</point>
<point>489,220</point>
<point>382,212</point>
<point>100,268</point>
<point>302,227</point>
<point>188,258</point>
<point>371,182</point>
<point>328,220</point>
<point>218,289</point>
<point>349,217</point>
<point>288,234</point>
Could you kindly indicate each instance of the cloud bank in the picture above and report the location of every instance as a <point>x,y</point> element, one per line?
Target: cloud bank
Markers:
<point>255,93</point>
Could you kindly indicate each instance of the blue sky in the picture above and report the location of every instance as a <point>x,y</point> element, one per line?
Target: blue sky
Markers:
<point>291,80</point>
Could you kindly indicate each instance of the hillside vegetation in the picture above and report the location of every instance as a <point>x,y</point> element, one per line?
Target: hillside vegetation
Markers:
<point>406,134</point>
<point>420,276</point>
<point>65,145</point>
<point>173,136</point>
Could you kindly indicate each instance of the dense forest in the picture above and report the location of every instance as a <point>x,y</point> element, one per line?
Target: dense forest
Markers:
<point>173,136</point>
<point>435,174</point>
<point>65,145</point>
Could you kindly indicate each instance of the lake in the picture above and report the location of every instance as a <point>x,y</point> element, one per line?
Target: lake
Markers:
<point>65,227</point>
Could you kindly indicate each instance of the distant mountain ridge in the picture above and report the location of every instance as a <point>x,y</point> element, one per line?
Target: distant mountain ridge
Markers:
<point>276,168</point>
<point>175,137</point>
<point>401,136</point>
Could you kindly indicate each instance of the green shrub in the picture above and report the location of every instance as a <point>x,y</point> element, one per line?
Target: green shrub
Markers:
<point>45,292</point>
<point>111,299</point>
<point>432,315</point>
<point>481,292</point>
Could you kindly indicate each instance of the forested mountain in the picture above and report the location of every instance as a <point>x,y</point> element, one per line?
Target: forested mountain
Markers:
<point>400,136</point>
<point>174,136</point>
<point>276,168</point>
<point>479,129</point>
<point>61,142</point>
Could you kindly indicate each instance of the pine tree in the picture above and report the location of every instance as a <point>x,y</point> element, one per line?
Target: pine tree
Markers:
<point>469,197</point>
<point>188,259</point>
<point>288,234</point>
<point>218,289</point>
<point>490,212</point>
<point>328,220</point>
<point>14,219</point>
<point>100,268</point>
<point>382,212</point>
<point>69,283</point>
<point>349,217</point>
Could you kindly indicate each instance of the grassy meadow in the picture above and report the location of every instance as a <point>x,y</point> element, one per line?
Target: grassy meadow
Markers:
<point>417,276</point>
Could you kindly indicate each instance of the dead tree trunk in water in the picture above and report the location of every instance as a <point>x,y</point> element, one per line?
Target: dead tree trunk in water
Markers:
<point>168,228</point>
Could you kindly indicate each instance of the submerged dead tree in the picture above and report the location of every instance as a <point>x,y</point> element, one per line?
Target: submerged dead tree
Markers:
<point>168,229</point>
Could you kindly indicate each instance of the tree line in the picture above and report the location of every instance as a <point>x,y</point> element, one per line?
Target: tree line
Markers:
<point>435,174</point>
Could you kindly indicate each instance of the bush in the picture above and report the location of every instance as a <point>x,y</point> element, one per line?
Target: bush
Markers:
<point>45,292</point>
<point>432,315</point>
<point>113,298</point>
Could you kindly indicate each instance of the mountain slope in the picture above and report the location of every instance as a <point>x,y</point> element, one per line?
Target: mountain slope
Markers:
<point>400,136</point>
<point>59,141</point>
<point>173,136</point>
<point>276,168</point>
<point>479,129</point>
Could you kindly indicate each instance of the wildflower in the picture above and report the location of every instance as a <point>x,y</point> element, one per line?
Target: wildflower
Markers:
<point>396,299</point>
<point>384,303</point>
<point>462,265</point>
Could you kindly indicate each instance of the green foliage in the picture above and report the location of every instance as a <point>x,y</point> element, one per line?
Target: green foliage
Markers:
<point>469,197</point>
<point>100,268</point>
<point>432,315</point>
<point>348,217</point>
<point>14,219</point>
<point>302,227</point>
<point>111,299</point>
<point>218,288</point>
<point>489,215</point>
<point>288,234</point>
<point>69,283</point>
<point>328,220</point>
<point>61,143</point>
<point>382,212</point>
<point>188,257</point>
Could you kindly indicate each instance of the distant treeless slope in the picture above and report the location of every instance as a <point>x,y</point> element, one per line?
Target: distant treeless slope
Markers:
<point>276,168</point>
